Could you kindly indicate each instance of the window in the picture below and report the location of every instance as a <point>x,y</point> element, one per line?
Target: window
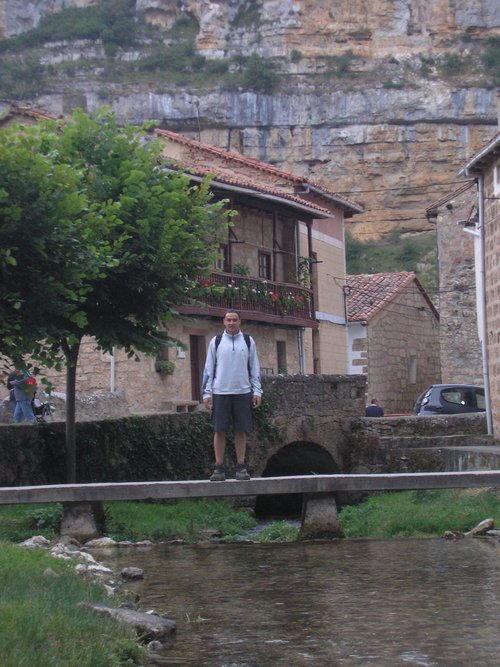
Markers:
<point>412,369</point>
<point>281,354</point>
<point>265,265</point>
<point>496,179</point>
<point>222,263</point>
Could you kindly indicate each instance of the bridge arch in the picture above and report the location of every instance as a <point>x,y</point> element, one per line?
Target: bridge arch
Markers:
<point>296,458</point>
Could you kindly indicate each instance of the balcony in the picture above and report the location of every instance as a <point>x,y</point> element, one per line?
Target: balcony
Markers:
<point>256,299</point>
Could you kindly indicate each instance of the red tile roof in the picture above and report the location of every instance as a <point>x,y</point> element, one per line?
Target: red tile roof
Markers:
<point>258,166</point>
<point>29,112</point>
<point>223,179</point>
<point>368,294</point>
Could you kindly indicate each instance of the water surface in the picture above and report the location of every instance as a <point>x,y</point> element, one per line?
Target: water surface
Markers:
<point>380,603</point>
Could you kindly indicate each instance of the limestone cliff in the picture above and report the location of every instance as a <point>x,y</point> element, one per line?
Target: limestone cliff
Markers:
<point>388,130</point>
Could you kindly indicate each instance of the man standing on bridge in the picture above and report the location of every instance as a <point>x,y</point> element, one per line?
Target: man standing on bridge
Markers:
<point>231,388</point>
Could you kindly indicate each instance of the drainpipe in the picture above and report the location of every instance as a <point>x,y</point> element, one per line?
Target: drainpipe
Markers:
<point>112,372</point>
<point>300,345</point>
<point>300,332</point>
<point>481,299</point>
<point>482,293</point>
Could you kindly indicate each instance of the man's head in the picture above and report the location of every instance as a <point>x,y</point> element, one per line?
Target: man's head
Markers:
<point>232,322</point>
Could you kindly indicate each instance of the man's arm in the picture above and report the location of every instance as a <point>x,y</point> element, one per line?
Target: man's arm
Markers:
<point>208,374</point>
<point>254,369</point>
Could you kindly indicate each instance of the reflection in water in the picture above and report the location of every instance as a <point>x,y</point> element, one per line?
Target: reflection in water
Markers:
<point>382,603</point>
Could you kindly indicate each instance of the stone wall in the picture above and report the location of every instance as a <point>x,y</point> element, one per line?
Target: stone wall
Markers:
<point>420,444</point>
<point>403,351</point>
<point>460,347</point>
<point>492,271</point>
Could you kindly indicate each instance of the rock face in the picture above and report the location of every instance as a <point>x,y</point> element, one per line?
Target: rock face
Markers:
<point>362,104</point>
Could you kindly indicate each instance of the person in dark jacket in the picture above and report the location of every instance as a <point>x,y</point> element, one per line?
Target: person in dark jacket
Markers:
<point>374,409</point>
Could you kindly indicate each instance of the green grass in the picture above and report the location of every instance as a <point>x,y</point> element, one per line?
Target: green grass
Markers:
<point>397,253</point>
<point>181,520</point>
<point>405,514</point>
<point>278,531</point>
<point>419,513</point>
<point>42,624</point>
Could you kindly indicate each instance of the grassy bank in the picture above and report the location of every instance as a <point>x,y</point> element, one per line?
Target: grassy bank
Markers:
<point>402,514</point>
<point>420,513</point>
<point>41,623</point>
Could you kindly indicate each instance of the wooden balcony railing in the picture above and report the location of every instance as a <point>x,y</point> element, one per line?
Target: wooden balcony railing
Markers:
<point>252,295</point>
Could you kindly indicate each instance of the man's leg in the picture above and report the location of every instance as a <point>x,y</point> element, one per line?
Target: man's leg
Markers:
<point>240,444</point>
<point>219,446</point>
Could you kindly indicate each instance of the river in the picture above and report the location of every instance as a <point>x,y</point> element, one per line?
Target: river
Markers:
<point>345,603</point>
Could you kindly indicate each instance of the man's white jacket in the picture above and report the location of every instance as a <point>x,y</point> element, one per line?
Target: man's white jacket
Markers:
<point>232,367</point>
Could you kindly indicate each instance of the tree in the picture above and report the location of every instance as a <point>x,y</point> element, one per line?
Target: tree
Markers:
<point>95,239</point>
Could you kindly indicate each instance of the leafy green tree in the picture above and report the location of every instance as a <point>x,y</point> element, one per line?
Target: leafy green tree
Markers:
<point>96,240</point>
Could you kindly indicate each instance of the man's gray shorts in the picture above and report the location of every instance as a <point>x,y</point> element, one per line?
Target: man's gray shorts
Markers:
<point>232,410</point>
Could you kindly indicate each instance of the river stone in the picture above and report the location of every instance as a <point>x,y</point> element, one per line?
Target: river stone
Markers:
<point>100,543</point>
<point>149,626</point>
<point>482,527</point>
<point>35,541</point>
<point>132,573</point>
<point>320,519</point>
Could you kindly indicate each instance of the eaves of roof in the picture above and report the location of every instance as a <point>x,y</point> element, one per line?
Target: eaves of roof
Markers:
<point>483,156</point>
<point>259,166</point>
<point>28,112</point>
<point>435,206</point>
<point>232,184</point>
<point>369,294</point>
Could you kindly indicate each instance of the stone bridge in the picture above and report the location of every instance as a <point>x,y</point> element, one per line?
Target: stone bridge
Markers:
<point>320,429</point>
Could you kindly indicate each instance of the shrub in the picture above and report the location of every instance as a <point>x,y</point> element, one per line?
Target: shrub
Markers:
<point>258,75</point>
<point>248,14</point>
<point>491,59</point>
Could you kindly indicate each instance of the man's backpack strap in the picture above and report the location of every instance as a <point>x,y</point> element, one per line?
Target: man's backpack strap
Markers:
<point>218,339</point>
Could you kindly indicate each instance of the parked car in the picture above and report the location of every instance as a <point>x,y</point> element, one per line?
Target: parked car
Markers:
<point>450,399</point>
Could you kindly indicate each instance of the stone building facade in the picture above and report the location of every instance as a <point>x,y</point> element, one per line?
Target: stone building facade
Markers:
<point>485,167</point>
<point>459,337</point>
<point>275,268</point>
<point>393,335</point>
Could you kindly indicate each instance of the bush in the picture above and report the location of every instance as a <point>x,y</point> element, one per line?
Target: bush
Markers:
<point>248,14</point>
<point>258,75</point>
<point>491,59</point>
<point>339,66</point>
<point>417,254</point>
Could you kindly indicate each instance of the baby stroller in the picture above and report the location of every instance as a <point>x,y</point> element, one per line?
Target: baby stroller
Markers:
<point>43,410</point>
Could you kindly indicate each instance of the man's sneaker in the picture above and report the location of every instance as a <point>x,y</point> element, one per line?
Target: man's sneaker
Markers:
<point>241,472</point>
<point>219,474</point>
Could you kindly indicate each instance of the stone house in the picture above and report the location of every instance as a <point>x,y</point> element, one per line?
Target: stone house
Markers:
<point>277,268</point>
<point>393,337</point>
<point>457,244</point>
<point>484,167</point>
